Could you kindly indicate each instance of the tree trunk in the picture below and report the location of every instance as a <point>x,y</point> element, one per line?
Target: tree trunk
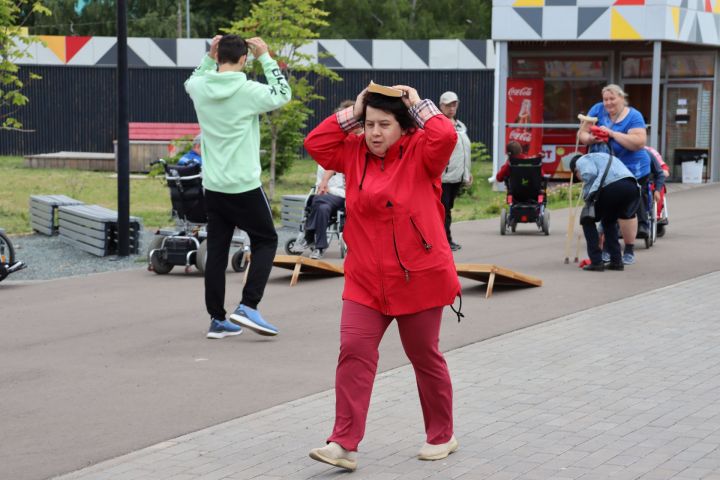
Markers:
<point>179,19</point>
<point>273,155</point>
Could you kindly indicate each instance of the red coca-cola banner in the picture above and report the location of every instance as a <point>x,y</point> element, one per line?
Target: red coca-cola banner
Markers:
<point>525,106</point>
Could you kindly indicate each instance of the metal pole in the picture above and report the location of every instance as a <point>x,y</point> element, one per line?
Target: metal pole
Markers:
<point>655,96</point>
<point>187,18</point>
<point>123,155</point>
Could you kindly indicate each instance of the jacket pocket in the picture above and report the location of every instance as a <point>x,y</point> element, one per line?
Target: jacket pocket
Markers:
<point>413,248</point>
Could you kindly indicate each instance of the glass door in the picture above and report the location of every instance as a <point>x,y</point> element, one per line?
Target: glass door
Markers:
<point>680,118</point>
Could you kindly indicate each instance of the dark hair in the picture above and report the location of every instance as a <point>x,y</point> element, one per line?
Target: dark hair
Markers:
<point>513,149</point>
<point>573,163</point>
<point>391,105</point>
<point>230,49</point>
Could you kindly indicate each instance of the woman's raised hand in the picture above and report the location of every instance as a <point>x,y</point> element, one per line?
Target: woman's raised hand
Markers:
<point>359,106</point>
<point>411,96</point>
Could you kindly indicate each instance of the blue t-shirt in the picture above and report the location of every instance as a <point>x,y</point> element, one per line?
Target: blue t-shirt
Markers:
<point>638,161</point>
<point>190,158</point>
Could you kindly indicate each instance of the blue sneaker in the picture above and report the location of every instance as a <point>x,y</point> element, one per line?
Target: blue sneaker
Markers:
<point>606,257</point>
<point>222,329</point>
<point>628,258</point>
<point>251,318</point>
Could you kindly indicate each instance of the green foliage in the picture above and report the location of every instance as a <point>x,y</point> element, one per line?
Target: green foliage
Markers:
<point>13,47</point>
<point>410,19</point>
<point>286,25</point>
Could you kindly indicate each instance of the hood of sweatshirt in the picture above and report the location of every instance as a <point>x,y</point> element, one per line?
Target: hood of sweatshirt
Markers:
<point>220,86</point>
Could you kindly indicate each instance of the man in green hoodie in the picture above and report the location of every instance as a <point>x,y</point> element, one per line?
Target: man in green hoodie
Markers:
<point>227,106</point>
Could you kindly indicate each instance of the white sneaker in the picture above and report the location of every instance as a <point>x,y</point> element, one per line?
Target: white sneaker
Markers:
<point>317,254</point>
<point>335,455</point>
<point>438,452</point>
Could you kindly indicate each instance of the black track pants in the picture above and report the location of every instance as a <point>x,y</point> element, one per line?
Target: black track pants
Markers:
<point>250,212</point>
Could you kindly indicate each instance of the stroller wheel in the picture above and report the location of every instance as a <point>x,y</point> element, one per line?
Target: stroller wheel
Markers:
<point>201,257</point>
<point>660,230</point>
<point>503,222</point>
<point>546,222</point>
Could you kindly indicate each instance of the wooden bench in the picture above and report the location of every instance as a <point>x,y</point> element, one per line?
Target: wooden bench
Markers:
<point>292,210</point>
<point>94,229</point>
<point>150,141</point>
<point>44,212</point>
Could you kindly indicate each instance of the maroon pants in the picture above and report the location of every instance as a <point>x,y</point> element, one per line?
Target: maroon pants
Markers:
<point>361,329</point>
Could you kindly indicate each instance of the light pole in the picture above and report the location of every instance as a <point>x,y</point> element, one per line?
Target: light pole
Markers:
<point>123,155</point>
<point>187,18</point>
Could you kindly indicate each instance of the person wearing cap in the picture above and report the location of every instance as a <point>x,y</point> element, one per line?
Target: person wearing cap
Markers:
<point>457,172</point>
<point>194,155</point>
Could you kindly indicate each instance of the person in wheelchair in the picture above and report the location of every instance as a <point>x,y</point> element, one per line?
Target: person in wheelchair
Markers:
<point>328,199</point>
<point>526,179</point>
<point>194,155</point>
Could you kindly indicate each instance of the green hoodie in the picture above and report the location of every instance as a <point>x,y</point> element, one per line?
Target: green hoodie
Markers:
<point>227,106</point>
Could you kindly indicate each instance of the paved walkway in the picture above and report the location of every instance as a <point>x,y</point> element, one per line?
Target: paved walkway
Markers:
<point>627,390</point>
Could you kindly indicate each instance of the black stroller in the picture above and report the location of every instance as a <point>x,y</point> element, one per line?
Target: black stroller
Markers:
<point>185,245</point>
<point>526,198</point>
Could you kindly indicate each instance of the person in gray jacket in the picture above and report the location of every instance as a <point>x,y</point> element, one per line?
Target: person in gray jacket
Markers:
<point>457,171</point>
<point>618,198</point>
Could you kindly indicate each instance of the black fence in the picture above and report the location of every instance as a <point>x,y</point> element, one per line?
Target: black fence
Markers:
<point>74,108</point>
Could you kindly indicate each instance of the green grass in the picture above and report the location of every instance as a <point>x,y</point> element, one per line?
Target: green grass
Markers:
<point>150,200</point>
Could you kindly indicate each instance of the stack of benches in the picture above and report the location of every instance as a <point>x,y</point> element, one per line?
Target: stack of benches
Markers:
<point>292,210</point>
<point>44,212</point>
<point>94,229</point>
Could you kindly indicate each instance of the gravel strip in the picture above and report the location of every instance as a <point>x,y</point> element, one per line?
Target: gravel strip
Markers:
<point>49,258</point>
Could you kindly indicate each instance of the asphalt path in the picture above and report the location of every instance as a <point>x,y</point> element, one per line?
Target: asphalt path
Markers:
<point>97,366</point>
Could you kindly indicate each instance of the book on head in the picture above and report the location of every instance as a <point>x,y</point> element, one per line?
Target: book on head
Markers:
<point>383,90</point>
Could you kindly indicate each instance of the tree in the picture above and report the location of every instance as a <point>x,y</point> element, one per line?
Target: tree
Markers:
<point>287,25</point>
<point>13,47</point>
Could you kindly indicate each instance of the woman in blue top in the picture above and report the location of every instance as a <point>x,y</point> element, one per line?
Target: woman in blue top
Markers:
<point>628,135</point>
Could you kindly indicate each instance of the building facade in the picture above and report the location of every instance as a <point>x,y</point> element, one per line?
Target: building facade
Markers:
<point>665,54</point>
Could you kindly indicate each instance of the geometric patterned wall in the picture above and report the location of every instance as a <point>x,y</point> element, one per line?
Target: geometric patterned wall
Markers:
<point>689,21</point>
<point>337,54</point>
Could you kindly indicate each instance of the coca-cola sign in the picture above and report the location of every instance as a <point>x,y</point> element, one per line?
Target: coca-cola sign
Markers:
<point>524,107</point>
<point>520,92</point>
<point>520,135</point>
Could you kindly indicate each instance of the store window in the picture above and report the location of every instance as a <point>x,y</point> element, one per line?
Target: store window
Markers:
<point>688,65</point>
<point>572,84</point>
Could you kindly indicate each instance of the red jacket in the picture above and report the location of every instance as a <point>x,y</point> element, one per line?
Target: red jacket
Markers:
<point>399,260</point>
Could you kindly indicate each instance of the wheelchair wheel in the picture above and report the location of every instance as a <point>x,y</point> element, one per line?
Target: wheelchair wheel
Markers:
<point>290,247</point>
<point>156,261</point>
<point>7,251</point>
<point>503,222</point>
<point>201,257</point>
<point>239,262</point>
<point>546,222</point>
<point>343,247</point>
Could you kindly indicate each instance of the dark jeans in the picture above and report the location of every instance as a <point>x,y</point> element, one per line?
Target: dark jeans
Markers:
<point>322,208</point>
<point>449,192</point>
<point>616,200</point>
<point>250,212</point>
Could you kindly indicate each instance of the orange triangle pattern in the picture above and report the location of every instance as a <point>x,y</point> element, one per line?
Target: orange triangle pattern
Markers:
<point>56,44</point>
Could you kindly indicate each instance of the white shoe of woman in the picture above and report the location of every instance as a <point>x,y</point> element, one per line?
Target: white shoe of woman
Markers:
<point>334,454</point>
<point>438,452</point>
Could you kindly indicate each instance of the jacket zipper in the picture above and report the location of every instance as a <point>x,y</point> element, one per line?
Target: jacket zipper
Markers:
<point>397,255</point>
<point>422,238</point>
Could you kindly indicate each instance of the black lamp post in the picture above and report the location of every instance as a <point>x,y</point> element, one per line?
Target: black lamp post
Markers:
<point>123,144</point>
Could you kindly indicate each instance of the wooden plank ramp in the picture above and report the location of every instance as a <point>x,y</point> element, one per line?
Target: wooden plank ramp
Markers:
<point>299,264</point>
<point>495,275</point>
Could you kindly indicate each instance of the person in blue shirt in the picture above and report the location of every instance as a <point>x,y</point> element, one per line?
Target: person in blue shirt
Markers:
<point>194,156</point>
<point>626,131</point>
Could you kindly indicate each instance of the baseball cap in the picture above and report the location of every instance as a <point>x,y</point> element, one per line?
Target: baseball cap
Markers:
<point>448,97</point>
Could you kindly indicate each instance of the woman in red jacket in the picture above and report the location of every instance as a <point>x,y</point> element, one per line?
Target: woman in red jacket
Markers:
<point>399,264</point>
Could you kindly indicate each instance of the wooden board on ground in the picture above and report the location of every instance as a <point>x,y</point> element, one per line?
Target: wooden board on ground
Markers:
<point>298,264</point>
<point>494,275</point>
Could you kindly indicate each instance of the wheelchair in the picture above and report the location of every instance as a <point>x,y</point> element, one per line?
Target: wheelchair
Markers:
<point>185,244</point>
<point>526,199</point>
<point>296,246</point>
<point>651,213</point>
<point>8,263</point>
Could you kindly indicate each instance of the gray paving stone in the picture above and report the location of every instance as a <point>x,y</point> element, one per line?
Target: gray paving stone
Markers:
<point>619,391</point>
